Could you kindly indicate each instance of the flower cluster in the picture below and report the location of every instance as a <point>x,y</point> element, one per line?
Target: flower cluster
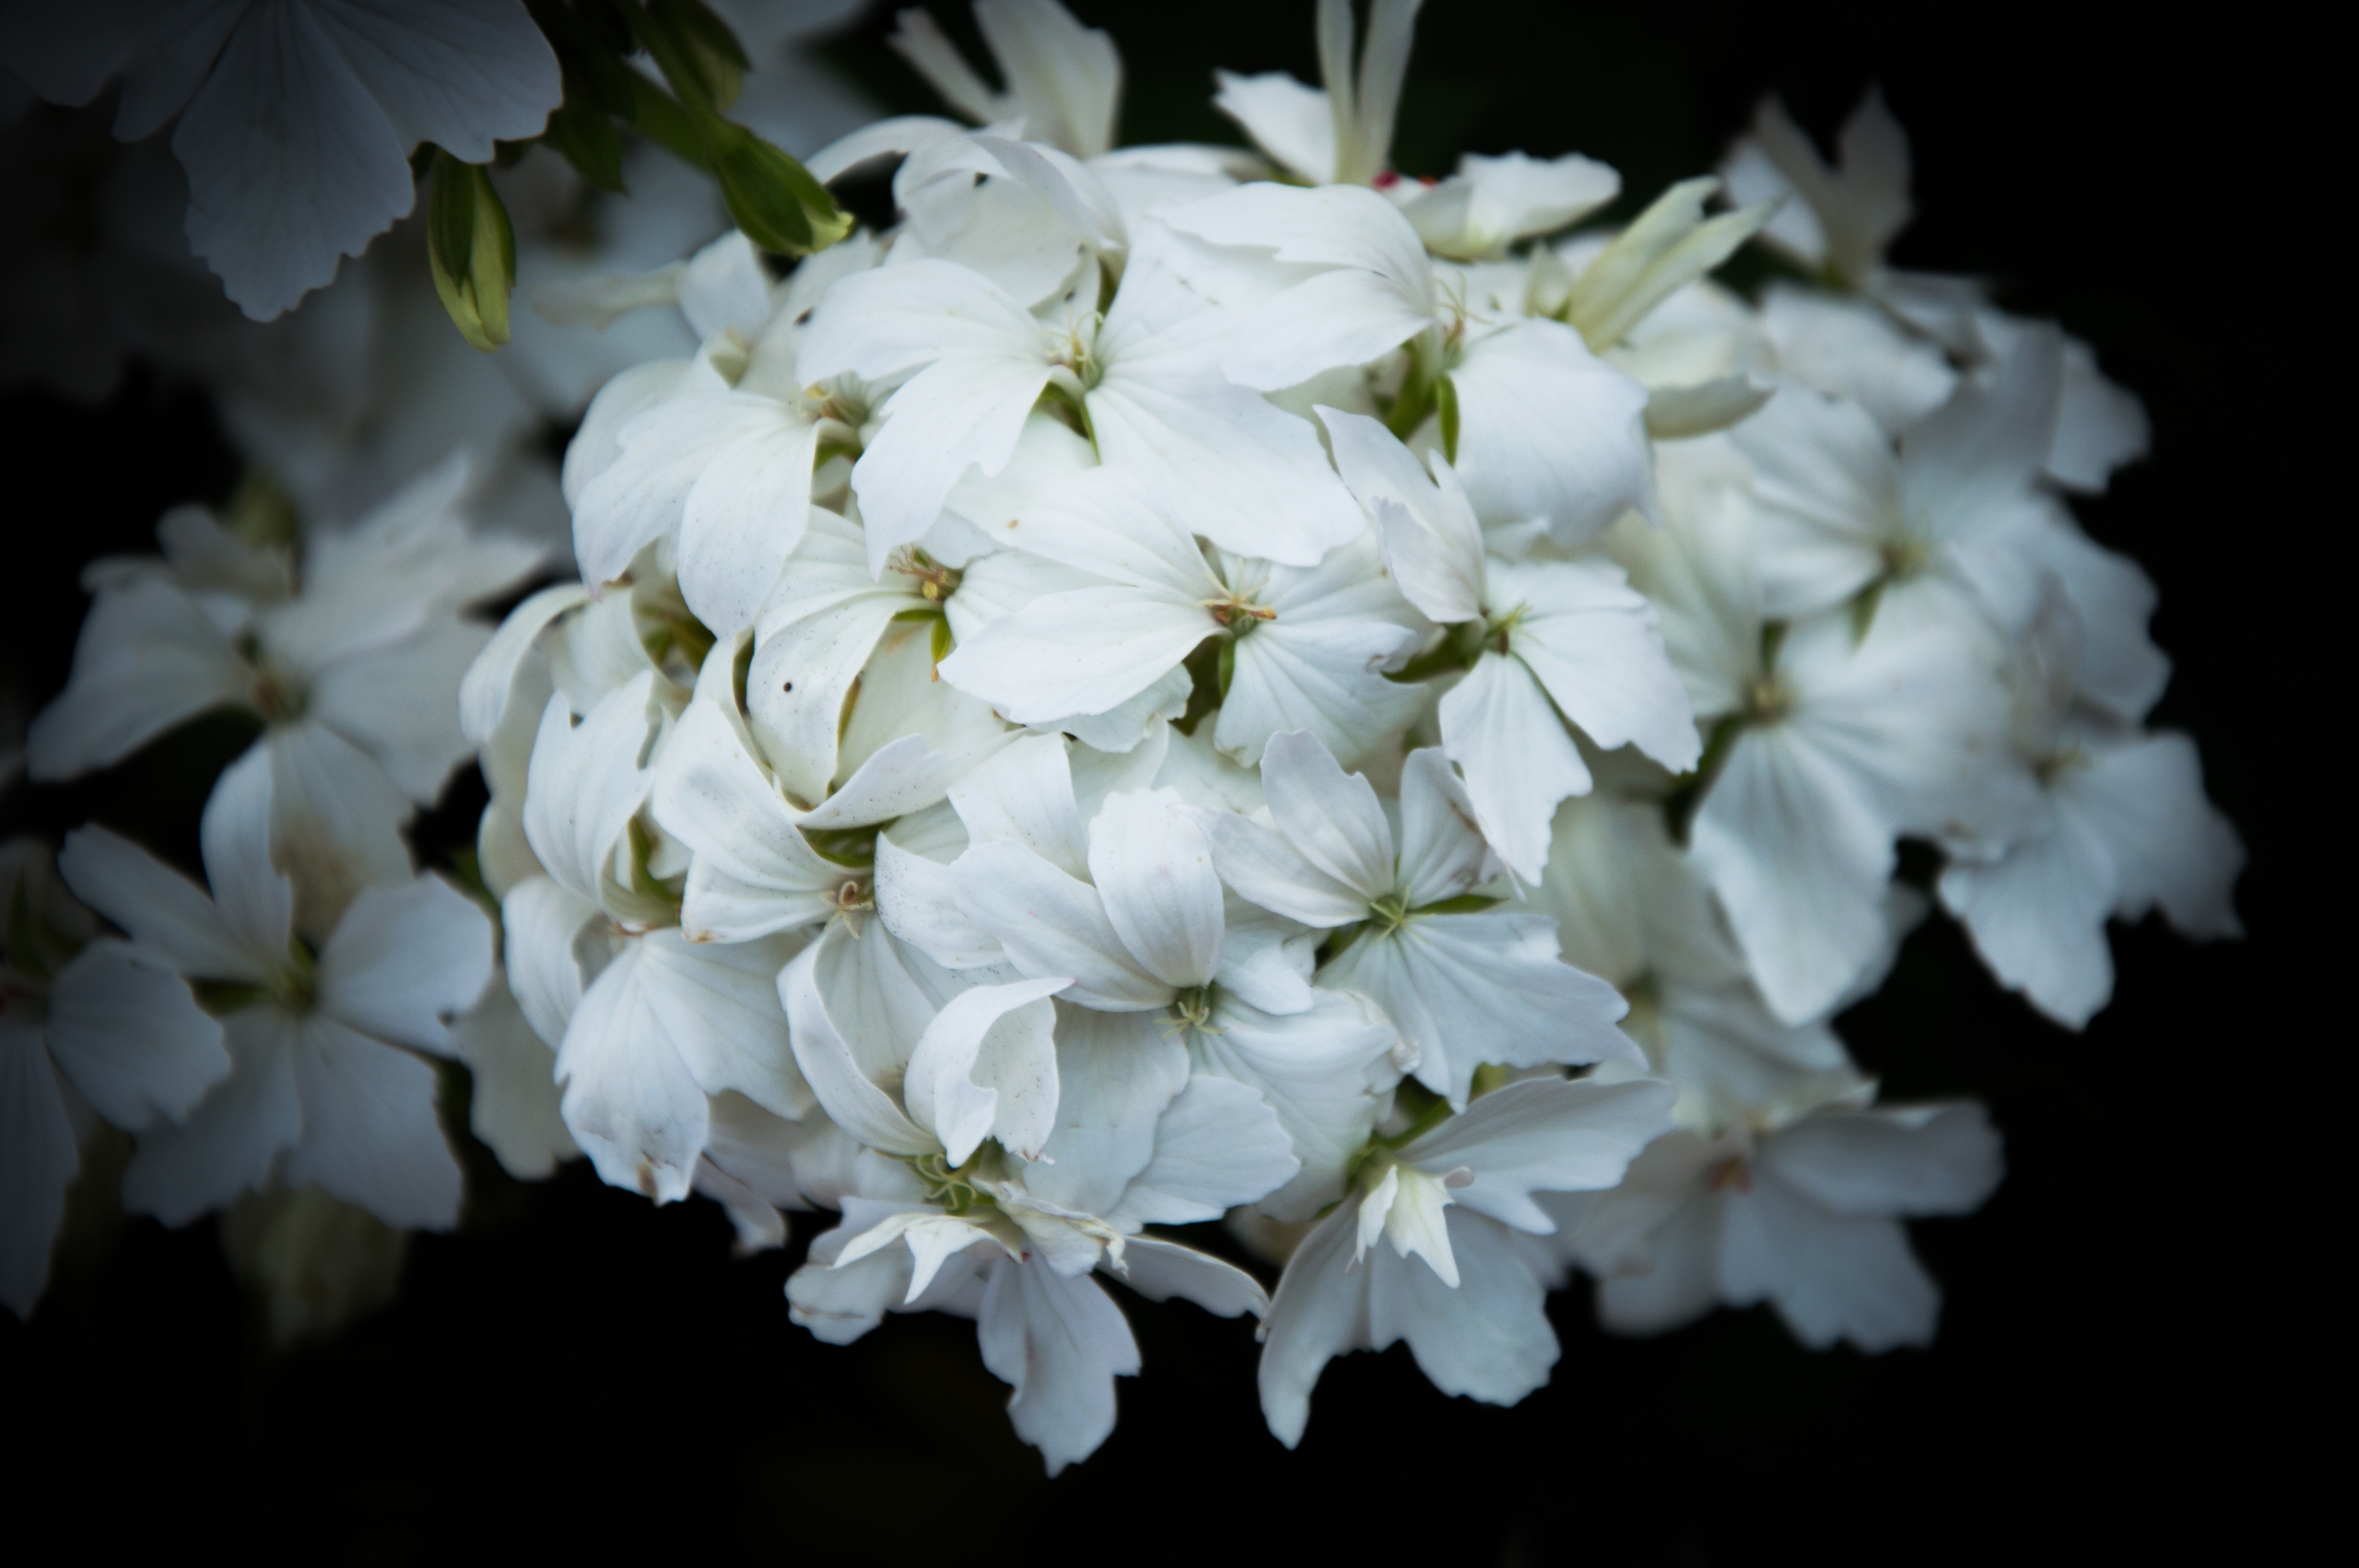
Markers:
<point>1171,684</point>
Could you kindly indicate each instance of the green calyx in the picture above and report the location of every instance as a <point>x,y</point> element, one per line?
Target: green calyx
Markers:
<point>471,248</point>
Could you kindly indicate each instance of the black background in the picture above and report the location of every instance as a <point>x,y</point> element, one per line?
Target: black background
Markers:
<point>576,1370</point>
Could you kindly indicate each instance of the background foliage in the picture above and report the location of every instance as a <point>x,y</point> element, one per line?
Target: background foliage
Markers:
<point>575,1368</point>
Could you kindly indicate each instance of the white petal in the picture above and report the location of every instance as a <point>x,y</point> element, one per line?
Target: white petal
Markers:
<point>164,911</point>
<point>128,1032</point>
<point>512,1106</point>
<point>630,1102</point>
<point>1116,1071</point>
<point>403,958</point>
<point>1265,959</point>
<point>1890,1159</point>
<point>147,659</point>
<point>1595,644</point>
<point>1830,1276</point>
<point>744,517</point>
<point>1323,676</point>
<point>335,822</point>
<point>1414,1222</point>
<point>718,1003</point>
<point>1544,1134</point>
<point>843,1090</point>
<point>754,874</point>
<point>588,782</point>
<point>986,1066</point>
<point>1549,433</point>
<point>1053,925</point>
<point>1024,793</point>
<point>1217,1144</point>
<point>1318,1312</point>
<point>801,677</point>
<point>1319,1070</point>
<point>1230,464</point>
<point>1082,653</point>
<point>541,923</point>
<point>1443,854</point>
<point>2171,845</point>
<point>235,835</point>
<point>1062,1343</point>
<point>1488,1338</point>
<point>1466,990</point>
<point>962,412</point>
<point>1799,861</point>
<point>1499,725</point>
<point>1154,873</point>
<point>230,1141</point>
<point>2038,917</point>
<point>917,902</point>
<point>1160,1269</point>
<point>484,691</point>
<point>1288,121</point>
<point>370,1136</point>
<point>1433,546</point>
<point>1986,445</point>
<point>878,324</point>
<point>1330,818</point>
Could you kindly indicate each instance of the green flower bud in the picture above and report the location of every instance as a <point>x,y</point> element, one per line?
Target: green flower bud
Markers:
<point>472,248</point>
<point>772,197</point>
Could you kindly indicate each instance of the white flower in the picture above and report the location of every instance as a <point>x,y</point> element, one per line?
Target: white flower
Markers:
<point>1544,433</point>
<point>1302,647</point>
<point>1840,512</point>
<point>320,1088</point>
<point>1342,134</point>
<point>1131,910</point>
<point>512,1106</point>
<point>86,1024</point>
<point>1570,634</point>
<point>353,676</point>
<point>1466,985</point>
<point>1144,381</point>
<point>1455,1197</point>
<point>1631,910</point>
<point>716,454</point>
<point>979,1121</point>
<point>2123,826</point>
<point>297,120</point>
<point>645,1022</point>
<point>1807,1219</point>
<point>1063,79</point>
<point>1827,744</point>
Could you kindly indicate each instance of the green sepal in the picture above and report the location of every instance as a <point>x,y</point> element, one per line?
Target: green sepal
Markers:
<point>1227,665</point>
<point>471,248</point>
<point>1445,405</point>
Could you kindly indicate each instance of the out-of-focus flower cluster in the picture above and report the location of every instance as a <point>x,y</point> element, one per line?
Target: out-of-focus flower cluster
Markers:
<point>1173,683</point>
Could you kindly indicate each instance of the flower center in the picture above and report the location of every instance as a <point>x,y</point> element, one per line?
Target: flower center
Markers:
<point>936,582</point>
<point>1192,1013</point>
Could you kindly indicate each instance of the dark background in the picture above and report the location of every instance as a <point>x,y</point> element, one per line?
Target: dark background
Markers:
<point>575,1369</point>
